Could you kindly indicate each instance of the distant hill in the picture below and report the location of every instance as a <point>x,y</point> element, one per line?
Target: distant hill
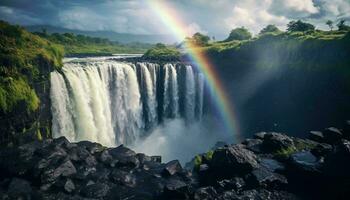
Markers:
<point>113,36</point>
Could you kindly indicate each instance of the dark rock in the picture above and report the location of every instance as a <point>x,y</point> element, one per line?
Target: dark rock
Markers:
<point>19,189</point>
<point>203,167</point>
<point>305,161</point>
<point>259,135</point>
<point>69,186</point>
<point>142,158</point>
<point>321,149</point>
<point>206,193</point>
<point>172,168</point>
<point>92,147</point>
<point>274,142</point>
<point>272,165</point>
<point>332,135</point>
<point>233,160</point>
<point>66,169</point>
<point>156,159</point>
<point>176,189</point>
<point>123,178</point>
<point>316,136</point>
<point>95,190</point>
<point>235,184</point>
<point>258,195</point>
<point>253,145</point>
<point>337,163</point>
<point>265,178</point>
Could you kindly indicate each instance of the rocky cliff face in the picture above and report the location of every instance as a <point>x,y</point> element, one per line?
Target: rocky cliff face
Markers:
<point>269,166</point>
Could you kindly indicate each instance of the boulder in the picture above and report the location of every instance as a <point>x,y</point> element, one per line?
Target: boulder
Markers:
<point>95,190</point>
<point>172,168</point>
<point>337,163</point>
<point>123,178</point>
<point>19,189</point>
<point>264,178</point>
<point>176,189</point>
<point>237,184</point>
<point>66,169</point>
<point>259,135</point>
<point>272,165</point>
<point>274,142</point>
<point>69,186</point>
<point>235,159</point>
<point>332,135</point>
<point>205,193</point>
<point>321,149</point>
<point>316,136</point>
<point>253,145</point>
<point>305,161</point>
<point>92,147</point>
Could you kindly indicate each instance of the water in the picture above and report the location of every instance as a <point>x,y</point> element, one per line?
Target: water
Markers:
<point>114,103</point>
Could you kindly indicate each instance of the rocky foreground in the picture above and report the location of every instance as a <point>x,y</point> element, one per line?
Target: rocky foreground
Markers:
<point>270,166</point>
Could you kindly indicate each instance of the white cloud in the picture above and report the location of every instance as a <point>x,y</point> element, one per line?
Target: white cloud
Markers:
<point>194,28</point>
<point>300,5</point>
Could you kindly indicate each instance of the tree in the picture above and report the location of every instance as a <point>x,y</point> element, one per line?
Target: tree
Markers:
<point>200,39</point>
<point>342,26</point>
<point>239,34</point>
<point>270,29</point>
<point>295,26</point>
<point>330,24</point>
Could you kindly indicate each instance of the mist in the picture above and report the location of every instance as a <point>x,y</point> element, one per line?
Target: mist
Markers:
<point>175,139</point>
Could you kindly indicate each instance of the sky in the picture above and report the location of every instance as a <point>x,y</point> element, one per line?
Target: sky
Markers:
<point>212,17</point>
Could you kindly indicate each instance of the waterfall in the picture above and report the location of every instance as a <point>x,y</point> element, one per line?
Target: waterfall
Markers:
<point>171,97</point>
<point>190,95</point>
<point>114,103</point>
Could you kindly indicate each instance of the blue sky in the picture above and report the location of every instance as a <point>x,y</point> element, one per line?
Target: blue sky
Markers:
<point>215,18</point>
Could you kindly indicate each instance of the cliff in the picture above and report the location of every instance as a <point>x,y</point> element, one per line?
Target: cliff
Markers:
<point>26,61</point>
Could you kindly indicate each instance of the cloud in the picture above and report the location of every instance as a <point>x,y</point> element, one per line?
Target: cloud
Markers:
<point>206,16</point>
<point>194,28</point>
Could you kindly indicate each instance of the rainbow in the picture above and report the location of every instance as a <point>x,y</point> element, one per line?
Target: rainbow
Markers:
<point>172,21</point>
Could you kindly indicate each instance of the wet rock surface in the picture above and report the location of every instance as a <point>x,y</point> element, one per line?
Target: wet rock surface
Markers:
<point>271,166</point>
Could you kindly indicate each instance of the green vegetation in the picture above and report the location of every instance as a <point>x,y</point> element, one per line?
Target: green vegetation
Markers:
<point>85,45</point>
<point>270,29</point>
<point>299,145</point>
<point>25,63</point>
<point>239,34</point>
<point>295,26</point>
<point>198,39</point>
<point>204,158</point>
<point>162,52</point>
<point>24,59</point>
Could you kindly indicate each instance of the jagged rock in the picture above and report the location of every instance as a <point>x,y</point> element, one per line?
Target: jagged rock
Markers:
<point>95,190</point>
<point>233,160</point>
<point>337,163</point>
<point>274,142</point>
<point>258,195</point>
<point>66,169</point>
<point>332,135</point>
<point>123,178</point>
<point>305,161</point>
<point>265,178</point>
<point>19,189</point>
<point>235,184</point>
<point>321,149</point>
<point>272,165</point>
<point>253,145</point>
<point>92,147</point>
<point>176,189</point>
<point>259,135</point>
<point>172,168</point>
<point>316,136</point>
<point>206,193</point>
<point>203,167</point>
<point>69,186</point>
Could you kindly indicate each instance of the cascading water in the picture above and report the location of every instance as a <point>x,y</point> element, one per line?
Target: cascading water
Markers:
<point>114,103</point>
